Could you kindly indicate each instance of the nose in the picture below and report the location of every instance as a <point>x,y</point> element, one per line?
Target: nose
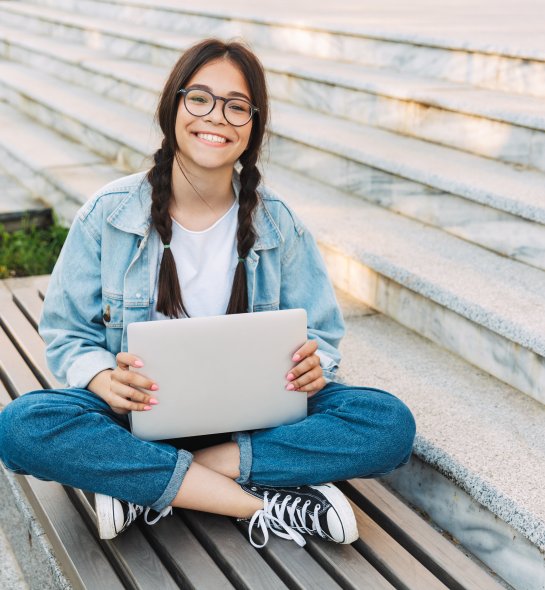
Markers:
<point>216,114</point>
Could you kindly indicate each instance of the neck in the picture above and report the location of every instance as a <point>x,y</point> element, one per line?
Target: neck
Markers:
<point>209,190</point>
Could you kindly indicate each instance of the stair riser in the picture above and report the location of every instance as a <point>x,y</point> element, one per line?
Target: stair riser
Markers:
<point>505,550</point>
<point>102,41</point>
<point>479,135</point>
<point>117,153</point>
<point>39,183</point>
<point>512,74</point>
<point>498,356</point>
<point>82,75</point>
<point>454,214</point>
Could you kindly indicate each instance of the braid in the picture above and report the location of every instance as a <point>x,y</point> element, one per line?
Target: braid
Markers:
<point>249,180</point>
<point>169,298</point>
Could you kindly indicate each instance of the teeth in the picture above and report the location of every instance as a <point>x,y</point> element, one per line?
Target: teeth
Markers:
<point>210,137</point>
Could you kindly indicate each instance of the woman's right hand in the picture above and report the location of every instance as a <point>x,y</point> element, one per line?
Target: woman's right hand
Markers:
<point>123,395</point>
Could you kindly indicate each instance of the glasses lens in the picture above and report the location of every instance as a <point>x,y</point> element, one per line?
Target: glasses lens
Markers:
<point>237,112</point>
<point>199,102</point>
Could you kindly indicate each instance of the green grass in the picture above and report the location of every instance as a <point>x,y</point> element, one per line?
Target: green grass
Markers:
<point>30,250</point>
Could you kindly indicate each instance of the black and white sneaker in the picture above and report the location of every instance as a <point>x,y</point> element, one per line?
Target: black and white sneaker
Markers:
<point>114,516</point>
<point>320,510</point>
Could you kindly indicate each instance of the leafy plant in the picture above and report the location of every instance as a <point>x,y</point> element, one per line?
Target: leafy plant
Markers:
<point>30,250</point>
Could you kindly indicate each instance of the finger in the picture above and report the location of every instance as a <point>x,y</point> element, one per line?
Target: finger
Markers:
<point>130,393</point>
<point>118,401</point>
<point>302,367</point>
<point>308,348</point>
<point>314,386</point>
<point>134,379</point>
<point>299,383</point>
<point>126,359</point>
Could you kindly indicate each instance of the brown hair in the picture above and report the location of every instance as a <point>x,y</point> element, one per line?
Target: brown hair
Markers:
<point>169,299</point>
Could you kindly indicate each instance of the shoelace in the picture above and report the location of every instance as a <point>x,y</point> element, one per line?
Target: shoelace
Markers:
<point>164,512</point>
<point>266,520</point>
<point>133,511</point>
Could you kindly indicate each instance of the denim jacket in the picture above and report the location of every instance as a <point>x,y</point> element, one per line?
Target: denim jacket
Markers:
<point>105,278</point>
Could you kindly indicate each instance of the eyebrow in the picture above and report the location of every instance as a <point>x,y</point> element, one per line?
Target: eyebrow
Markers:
<point>232,93</point>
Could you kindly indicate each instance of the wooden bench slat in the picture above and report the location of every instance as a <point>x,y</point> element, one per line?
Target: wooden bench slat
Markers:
<point>188,562</point>
<point>134,559</point>
<point>4,396</point>
<point>30,303</point>
<point>435,552</point>
<point>390,558</point>
<point>297,568</point>
<point>22,332</point>
<point>17,377</point>
<point>76,549</point>
<point>350,569</point>
<point>240,562</point>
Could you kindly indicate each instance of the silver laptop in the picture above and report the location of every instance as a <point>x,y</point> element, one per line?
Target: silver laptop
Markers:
<point>218,373</point>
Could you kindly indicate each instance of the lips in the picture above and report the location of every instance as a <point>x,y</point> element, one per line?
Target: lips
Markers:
<point>215,138</point>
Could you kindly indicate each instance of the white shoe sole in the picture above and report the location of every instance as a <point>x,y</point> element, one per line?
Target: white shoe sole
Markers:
<point>342,506</point>
<point>104,509</point>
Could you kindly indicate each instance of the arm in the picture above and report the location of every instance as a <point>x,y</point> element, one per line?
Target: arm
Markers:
<point>305,283</point>
<point>71,320</point>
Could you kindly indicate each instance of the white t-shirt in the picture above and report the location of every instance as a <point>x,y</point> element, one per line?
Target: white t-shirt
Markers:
<point>206,262</point>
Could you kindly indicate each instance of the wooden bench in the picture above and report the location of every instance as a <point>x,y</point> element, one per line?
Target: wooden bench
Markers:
<point>397,547</point>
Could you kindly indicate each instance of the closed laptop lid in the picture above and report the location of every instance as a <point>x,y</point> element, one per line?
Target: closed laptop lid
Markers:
<point>218,373</point>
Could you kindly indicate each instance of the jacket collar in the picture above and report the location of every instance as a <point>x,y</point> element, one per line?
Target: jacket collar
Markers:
<point>133,214</point>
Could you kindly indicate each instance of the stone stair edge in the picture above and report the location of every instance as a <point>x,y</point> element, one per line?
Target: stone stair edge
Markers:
<point>297,66</point>
<point>523,331</point>
<point>426,449</point>
<point>501,424</point>
<point>491,183</point>
<point>369,33</point>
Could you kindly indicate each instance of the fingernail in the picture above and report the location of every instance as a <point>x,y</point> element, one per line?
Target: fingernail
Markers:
<point>138,364</point>
<point>147,407</point>
<point>296,357</point>
<point>290,386</point>
<point>290,376</point>
<point>153,401</point>
<point>154,387</point>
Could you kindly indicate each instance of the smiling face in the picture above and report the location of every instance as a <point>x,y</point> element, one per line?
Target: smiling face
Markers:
<point>210,142</point>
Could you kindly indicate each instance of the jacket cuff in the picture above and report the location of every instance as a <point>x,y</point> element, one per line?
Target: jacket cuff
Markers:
<point>86,366</point>
<point>329,366</point>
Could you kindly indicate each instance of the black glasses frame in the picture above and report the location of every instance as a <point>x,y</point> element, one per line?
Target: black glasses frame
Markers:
<point>253,109</point>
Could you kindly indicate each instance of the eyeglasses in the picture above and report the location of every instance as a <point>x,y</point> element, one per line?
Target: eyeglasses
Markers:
<point>199,103</point>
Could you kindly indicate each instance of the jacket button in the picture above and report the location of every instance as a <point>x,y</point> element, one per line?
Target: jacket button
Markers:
<point>106,315</point>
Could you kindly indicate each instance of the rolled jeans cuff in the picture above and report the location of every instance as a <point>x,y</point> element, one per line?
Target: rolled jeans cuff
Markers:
<point>183,462</point>
<point>245,447</point>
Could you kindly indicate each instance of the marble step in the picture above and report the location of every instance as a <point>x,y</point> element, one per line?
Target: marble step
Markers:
<point>52,171</point>
<point>518,68</point>
<point>18,205</point>
<point>483,307</point>
<point>371,163</point>
<point>493,124</point>
<point>495,329</point>
<point>483,483</point>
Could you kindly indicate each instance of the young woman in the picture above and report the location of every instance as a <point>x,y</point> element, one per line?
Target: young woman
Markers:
<point>192,237</point>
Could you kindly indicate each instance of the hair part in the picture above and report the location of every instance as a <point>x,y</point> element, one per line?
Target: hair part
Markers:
<point>169,299</point>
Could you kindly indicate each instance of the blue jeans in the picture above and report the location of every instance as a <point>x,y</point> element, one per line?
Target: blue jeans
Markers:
<point>73,437</point>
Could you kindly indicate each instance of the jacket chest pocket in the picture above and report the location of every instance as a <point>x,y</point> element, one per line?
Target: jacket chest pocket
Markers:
<point>112,310</point>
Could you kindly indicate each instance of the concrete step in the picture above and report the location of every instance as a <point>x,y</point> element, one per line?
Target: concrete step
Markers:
<point>493,124</point>
<point>498,327</point>
<point>477,60</point>
<point>408,176</point>
<point>18,204</point>
<point>481,306</point>
<point>483,482</point>
<point>52,171</point>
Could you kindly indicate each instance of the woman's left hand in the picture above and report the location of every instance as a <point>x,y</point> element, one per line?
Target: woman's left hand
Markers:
<point>307,374</point>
